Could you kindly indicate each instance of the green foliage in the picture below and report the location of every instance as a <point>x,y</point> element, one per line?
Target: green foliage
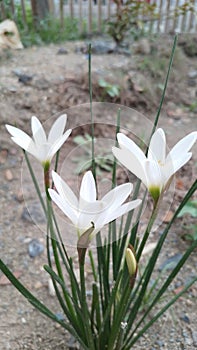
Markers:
<point>193,106</point>
<point>103,161</point>
<point>189,208</point>
<point>130,19</point>
<point>112,90</point>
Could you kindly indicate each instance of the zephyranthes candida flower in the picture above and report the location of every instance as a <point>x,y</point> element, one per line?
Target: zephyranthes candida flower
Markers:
<point>40,146</point>
<point>87,211</point>
<point>155,170</point>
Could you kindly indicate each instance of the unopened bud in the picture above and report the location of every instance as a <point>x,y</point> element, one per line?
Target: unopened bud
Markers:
<point>131,261</point>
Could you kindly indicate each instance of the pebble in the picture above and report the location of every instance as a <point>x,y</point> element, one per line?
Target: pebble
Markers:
<point>19,196</point>
<point>185,318</point>
<point>62,51</point>
<point>35,248</point>
<point>23,320</point>
<point>38,285</point>
<point>8,175</point>
<point>192,74</point>
<point>60,316</point>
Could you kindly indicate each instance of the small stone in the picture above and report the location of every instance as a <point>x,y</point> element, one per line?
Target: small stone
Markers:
<point>38,285</point>
<point>160,342</point>
<point>8,175</point>
<point>23,320</point>
<point>186,319</point>
<point>62,51</point>
<point>60,316</point>
<point>103,47</point>
<point>19,196</point>
<point>192,74</point>
<point>35,248</point>
<point>51,288</point>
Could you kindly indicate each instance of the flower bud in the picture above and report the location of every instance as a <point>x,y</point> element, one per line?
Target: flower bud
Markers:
<point>131,261</point>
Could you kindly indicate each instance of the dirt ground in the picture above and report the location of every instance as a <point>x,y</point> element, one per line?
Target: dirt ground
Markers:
<point>39,81</point>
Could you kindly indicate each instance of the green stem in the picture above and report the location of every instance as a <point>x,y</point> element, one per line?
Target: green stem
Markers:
<point>89,335</point>
<point>147,232</point>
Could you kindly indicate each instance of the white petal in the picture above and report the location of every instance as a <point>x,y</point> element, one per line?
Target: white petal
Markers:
<point>64,206</point>
<point>65,191</point>
<point>109,215</point>
<point>38,131</point>
<point>183,146</point>
<point>57,129</point>
<point>88,187</point>
<point>117,196</point>
<point>157,148</point>
<point>154,174</point>
<point>131,162</point>
<point>90,213</point>
<point>19,135</point>
<point>127,143</point>
<point>58,144</point>
<point>171,168</point>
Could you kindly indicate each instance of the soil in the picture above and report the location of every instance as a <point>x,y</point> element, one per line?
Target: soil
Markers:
<point>38,81</point>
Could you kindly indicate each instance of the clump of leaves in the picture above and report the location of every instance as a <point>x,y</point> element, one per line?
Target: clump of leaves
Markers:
<point>129,18</point>
<point>191,209</point>
<point>103,161</point>
<point>109,89</point>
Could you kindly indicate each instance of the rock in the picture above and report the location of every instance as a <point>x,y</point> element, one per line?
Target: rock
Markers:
<point>23,77</point>
<point>60,316</point>
<point>38,285</point>
<point>192,74</point>
<point>33,213</point>
<point>8,175</point>
<point>62,51</point>
<point>35,248</point>
<point>103,47</point>
<point>19,196</point>
<point>171,262</point>
<point>185,318</point>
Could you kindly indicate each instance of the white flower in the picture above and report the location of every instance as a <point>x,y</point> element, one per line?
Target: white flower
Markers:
<point>40,146</point>
<point>87,210</point>
<point>155,170</point>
